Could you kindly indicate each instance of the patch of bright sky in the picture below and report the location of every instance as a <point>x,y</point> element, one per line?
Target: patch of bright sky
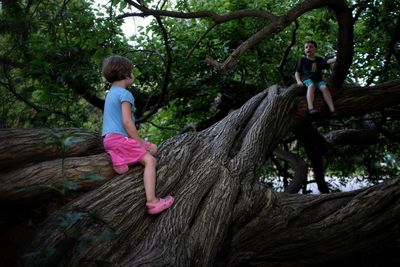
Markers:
<point>131,24</point>
<point>334,184</point>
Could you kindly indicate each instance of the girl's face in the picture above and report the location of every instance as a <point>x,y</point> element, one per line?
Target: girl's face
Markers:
<point>129,80</point>
<point>309,49</point>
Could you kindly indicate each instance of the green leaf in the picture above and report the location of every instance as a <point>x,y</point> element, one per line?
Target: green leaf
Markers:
<point>72,186</point>
<point>92,176</point>
<point>70,218</point>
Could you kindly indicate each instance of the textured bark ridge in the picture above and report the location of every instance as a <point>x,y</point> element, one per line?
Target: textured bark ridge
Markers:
<point>21,146</point>
<point>36,163</point>
<point>222,215</point>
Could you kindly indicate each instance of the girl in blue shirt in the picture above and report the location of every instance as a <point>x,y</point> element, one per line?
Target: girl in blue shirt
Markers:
<point>121,138</point>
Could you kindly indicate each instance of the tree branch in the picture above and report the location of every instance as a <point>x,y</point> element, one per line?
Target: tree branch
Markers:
<point>278,23</point>
<point>285,59</point>
<point>168,67</point>
<point>13,90</point>
<point>383,71</point>
<point>217,19</point>
<point>299,167</point>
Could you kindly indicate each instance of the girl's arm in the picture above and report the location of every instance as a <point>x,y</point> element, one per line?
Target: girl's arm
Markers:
<point>129,125</point>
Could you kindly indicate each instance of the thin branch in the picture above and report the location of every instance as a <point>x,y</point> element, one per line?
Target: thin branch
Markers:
<point>163,127</point>
<point>391,51</point>
<point>278,23</point>
<point>10,62</point>
<point>360,8</point>
<point>13,90</point>
<point>199,40</point>
<point>285,59</point>
<point>164,88</point>
<point>199,14</point>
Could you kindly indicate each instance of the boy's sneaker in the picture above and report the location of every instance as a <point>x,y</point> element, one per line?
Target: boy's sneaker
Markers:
<point>334,115</point>
<point>312,111</point>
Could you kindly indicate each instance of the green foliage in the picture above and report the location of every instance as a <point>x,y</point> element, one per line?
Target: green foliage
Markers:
<point>374,31</point>
<point>373,162</point>
<point>56,53</point>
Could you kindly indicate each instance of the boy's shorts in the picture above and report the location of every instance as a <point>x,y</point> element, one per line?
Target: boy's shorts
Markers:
<point>124,150</point>
<point>309,82</point>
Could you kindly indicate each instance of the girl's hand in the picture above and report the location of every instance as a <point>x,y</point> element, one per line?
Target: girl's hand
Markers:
<point>150,147</point>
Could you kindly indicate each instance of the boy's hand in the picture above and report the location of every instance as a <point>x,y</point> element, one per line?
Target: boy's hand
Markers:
<point>331,60</point>
<point>300,83</point>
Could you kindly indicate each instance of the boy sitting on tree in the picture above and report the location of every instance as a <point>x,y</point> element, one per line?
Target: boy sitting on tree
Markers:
<point>309,73</point>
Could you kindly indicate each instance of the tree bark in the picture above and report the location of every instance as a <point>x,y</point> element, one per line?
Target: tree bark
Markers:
<point>366,136</point>
<point>294,230</point>
<point>299,167</point>
<point>316,147</point>
<point>59,176</point>
<point>27,172</point>
<point>222,215</point>
<point>20,146</point>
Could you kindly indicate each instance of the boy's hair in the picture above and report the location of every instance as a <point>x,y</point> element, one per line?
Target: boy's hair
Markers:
<point>117,68</point>
<point>311,42</point>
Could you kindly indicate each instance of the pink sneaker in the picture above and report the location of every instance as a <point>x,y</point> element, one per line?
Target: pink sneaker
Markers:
<point>160,206</point>
<point>121,169</point>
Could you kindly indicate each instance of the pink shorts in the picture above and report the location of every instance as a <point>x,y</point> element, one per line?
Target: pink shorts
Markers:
<point>124,150</point>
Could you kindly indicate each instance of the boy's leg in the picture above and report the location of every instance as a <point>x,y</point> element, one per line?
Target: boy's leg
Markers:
<point>327,97</point>
<point>310,94</point>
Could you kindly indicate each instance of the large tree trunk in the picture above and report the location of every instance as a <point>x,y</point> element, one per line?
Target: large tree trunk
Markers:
<point>58,176</point>
<point>35,163</point>
<point>222,215</point>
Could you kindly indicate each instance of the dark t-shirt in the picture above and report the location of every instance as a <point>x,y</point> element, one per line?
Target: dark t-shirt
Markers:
<point>311,69</point>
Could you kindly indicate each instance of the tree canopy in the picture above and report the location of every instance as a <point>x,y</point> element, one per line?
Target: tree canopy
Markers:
<point>203,68</point>
<point>52,54</point>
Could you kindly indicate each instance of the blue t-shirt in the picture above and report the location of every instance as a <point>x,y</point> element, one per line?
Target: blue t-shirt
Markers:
<point>112,116</point>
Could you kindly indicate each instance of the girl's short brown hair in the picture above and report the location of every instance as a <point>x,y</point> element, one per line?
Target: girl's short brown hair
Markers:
<point>117,68</point>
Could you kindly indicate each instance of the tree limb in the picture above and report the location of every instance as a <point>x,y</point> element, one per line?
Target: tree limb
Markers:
<point>168,67</point>
<point>299,167</point>
<point>277,24</point>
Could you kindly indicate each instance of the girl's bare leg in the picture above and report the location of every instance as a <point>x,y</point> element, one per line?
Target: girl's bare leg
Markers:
<point>149,177</point>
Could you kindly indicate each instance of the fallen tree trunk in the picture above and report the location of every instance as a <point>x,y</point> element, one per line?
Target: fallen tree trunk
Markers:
<point>59,176</point>
<point>222,214</point>
<point>20,146</point>
<point>37,163</point>
<point>316,230</point>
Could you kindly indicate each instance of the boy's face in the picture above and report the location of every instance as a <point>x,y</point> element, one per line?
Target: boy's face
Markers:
<point>309,49</point>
